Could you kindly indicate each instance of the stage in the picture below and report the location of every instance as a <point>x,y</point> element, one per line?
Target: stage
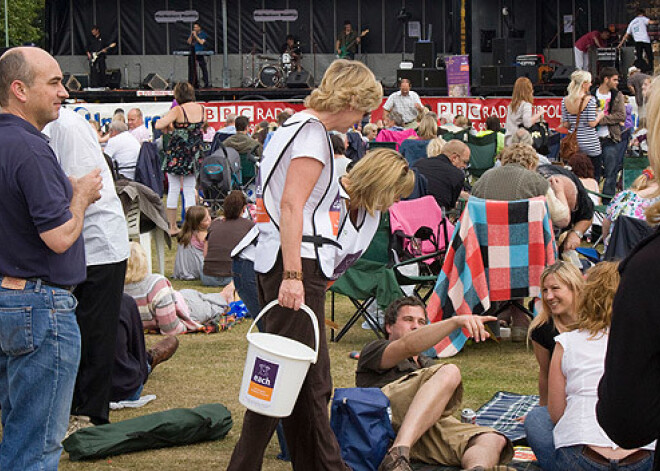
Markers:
<point>297,94</point>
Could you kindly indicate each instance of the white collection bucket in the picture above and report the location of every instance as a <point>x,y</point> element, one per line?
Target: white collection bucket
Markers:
<point>275,368</point>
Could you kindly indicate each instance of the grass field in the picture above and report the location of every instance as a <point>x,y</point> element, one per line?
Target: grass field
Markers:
<point>208,368</point>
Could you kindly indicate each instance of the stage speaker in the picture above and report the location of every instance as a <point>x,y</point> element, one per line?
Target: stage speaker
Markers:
<point>505,50</point>
<point>424,54</point>
<point>83,79</point>
<point>529,71</point>
<point>302,79</point>
<point>507,75</point>
<point>416,77</point>
<point>488,76</point>
<point>154,82</point>
<point>562,74</point>
<point>71,83</point>
<point>113,78</point>
<point>435,78</point>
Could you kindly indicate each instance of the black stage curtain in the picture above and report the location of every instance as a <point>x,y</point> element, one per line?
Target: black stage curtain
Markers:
<point>327,16</point>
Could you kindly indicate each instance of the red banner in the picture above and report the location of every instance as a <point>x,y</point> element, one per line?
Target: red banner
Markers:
<point>475,109</point>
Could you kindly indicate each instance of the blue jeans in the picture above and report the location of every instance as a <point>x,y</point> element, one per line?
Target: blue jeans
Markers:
<point>539,427</point>
<point>39,356</point>
<point>245,282</point>
<point>571,457</point>
<point>208,280</point>
<point>610,158</point>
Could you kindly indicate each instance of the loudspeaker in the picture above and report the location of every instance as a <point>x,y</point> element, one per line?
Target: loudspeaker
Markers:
<point>113,78</point>
<point>301,79</point>
<point>505,50</point>
<point>424,54</point>
<point>562,74</point>
<point>435,78</point>
<point>71,83</point>
<point>507,75</point>
<point>83,79</point>
<point>489,76</point>
<point>529,71</point>
<point>154,82</point>
<point>416,77</point>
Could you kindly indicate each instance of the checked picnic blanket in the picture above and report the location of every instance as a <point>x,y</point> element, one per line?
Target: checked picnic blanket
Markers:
<point>504,411</point>
<point>498,252</point>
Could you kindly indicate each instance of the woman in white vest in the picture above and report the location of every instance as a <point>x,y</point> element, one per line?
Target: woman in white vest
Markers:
<point>311,227</point>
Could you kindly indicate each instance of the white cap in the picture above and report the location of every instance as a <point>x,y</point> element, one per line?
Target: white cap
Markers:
<point>632,70</point>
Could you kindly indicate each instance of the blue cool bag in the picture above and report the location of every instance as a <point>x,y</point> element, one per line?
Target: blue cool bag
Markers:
<point>361,421</point>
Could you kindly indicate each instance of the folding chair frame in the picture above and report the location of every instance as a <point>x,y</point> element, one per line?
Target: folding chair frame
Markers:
<point>361,312</point>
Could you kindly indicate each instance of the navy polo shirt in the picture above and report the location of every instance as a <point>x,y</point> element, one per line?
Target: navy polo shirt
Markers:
<point>34,197</point>
<point>201,47</point>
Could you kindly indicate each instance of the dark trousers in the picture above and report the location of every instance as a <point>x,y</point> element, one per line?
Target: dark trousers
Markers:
<point>641,48</point>
<point>193,76</point>
<point>99,300</point>
<point>312,443</point>
<point>97,73</point>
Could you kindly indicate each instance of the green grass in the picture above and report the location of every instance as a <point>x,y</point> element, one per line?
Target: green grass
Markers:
<point>208,368</point>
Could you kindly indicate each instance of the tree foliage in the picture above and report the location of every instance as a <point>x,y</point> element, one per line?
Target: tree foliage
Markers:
<point>26,21</point>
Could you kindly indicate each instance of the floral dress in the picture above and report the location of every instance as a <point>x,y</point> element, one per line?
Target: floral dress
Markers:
<point>628,203</point>
<point>185,149</point>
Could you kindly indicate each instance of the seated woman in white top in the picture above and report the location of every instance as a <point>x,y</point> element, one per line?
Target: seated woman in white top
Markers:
<point>575,371</point>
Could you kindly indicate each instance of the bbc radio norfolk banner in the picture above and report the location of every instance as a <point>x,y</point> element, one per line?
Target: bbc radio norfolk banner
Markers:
<point>477,110</point>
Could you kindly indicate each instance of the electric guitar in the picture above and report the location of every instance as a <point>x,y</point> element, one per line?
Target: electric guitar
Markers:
<point>96,55</point>
<point>343,51</point>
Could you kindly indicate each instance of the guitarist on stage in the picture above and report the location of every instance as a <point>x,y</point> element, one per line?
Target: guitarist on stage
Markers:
<point>347,41</point>
<point>96,54</point>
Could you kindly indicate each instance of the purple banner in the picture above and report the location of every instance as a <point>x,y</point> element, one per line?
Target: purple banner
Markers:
<point>458,76</point>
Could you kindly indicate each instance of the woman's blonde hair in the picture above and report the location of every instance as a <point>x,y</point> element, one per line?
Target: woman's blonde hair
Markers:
<point>137,266</point>
<point>653,136</point>
<point>575,87</point>
<point>523,90</point>
<point>346,84</point>
<point>594,312</point>
<point>643,181</point>
<point>428,127</point>
<point>194,216</point>
<point>522,154</point>
<point>435,146</point>
<point>567,274</point>
<point>368,128</point>
<point>379,180</point>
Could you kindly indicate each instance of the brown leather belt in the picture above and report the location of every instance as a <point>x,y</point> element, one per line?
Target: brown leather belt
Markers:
<point>632,458</point>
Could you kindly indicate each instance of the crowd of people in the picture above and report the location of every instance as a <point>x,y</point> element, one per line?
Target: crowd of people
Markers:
<point>77,297</point>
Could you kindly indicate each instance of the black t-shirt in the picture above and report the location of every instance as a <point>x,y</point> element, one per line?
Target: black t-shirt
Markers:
<point>585,207</point>
<point>444,181</point>
<point>369,374</point>
<point>95,44</point>
<point>545,335</point>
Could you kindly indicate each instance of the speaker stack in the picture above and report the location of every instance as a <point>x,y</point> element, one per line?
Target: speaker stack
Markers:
<point>302,79</point>
<point>71,83</point>
<point>506,66</point>
<point>424,73</point>
<point>154,82</point>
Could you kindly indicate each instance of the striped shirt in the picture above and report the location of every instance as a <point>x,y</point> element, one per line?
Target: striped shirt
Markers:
<point>161,307</point>
<point>587,136</point>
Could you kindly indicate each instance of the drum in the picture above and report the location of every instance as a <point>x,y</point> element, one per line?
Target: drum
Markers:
<point>286,58</point>
<point>270,76</point>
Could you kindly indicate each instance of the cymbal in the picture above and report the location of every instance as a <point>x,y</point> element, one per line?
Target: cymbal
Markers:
<point>266,58</point>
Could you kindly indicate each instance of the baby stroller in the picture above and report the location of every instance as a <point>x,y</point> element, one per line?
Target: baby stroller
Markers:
<point>219,174</point>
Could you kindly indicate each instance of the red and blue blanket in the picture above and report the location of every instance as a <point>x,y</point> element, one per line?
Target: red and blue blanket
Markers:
<point>498,252</point>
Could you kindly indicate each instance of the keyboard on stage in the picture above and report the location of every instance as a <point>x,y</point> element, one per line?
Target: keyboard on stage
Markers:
<point>187,53</point>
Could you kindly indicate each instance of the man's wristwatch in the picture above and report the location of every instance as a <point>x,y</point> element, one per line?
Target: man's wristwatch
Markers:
<point>580,234</point>
<point>292,275</point>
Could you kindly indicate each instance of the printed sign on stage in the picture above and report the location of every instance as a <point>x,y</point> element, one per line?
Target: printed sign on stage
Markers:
<point>477,110</point>
<point>458,76</point>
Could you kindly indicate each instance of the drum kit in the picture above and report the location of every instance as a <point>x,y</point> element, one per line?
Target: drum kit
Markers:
<point>270,71</point>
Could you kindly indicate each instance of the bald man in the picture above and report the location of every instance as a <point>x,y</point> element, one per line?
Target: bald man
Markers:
<point>41,260</point>
<point>444,173</point>
<point>136,127</point>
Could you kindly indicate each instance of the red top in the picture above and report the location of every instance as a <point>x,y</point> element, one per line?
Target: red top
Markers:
<point>588,40</point>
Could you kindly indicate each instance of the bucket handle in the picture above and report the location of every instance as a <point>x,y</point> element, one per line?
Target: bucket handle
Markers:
<point>307,310</point>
